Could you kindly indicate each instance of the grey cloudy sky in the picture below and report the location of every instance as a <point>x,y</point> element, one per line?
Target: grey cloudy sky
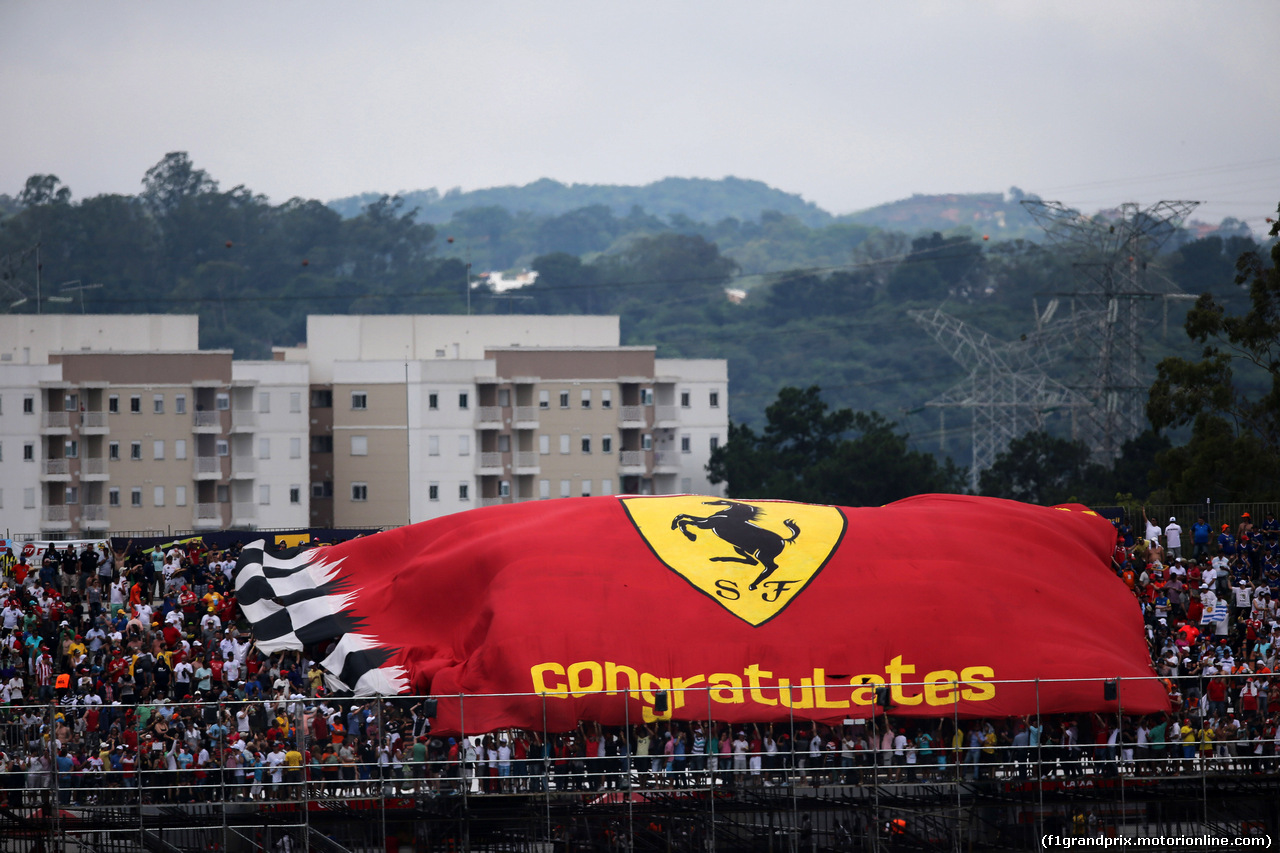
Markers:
<point>849,104</point>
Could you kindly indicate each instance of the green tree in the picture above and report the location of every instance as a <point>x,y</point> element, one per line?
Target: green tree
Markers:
<point>1042,469</point>
<point>43,189</point>
<point>807,452</point>
<point>1230,395</point>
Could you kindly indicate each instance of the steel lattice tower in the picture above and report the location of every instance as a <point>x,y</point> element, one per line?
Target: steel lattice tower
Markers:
<point>1113,252</point>
<point>1007,390</point>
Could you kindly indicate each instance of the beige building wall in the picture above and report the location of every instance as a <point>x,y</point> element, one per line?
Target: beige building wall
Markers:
<point>370,453</point>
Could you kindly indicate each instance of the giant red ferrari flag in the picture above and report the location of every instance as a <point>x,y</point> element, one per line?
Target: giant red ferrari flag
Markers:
<point>608,608</point>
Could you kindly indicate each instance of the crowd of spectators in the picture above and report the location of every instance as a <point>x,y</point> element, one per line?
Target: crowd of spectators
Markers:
<point>128,674</point>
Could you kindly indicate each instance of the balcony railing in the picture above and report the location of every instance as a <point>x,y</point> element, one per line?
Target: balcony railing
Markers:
<point>57,420</point>
<point>57,513</point>
<point>527,459</point>
<point>208,465</point>
<point>206,419</point>
<point>209,512</point>
<point>666,413</point>
<point>243,465</point>
<point>527,414</point>
<point>666,459</point>
<point>244,510</point>
<point>489,414</point>
<point>93,512</point>
<point>490,460</point>
<point>631,459</point>
<point>243,418</point>
<point>631,414</point>
<point>93,466</point>
<point>93,420</point>
<point>56,467</point>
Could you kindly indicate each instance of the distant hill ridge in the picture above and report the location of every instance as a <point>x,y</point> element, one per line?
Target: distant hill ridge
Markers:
<point>708,201</point>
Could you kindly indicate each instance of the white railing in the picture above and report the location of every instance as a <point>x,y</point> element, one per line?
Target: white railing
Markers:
<point>206,419</point>
<point>489,414</point>
<point>243,509</point>
<point>527,414</point>
<point>490,460</point>
<point>666,459</point>
<point>57,513</point>
<point>527,459</point>
<point>93,420</point>
<point>494,501</point>
<point>666,413</point>
<point>243,465</point>
<point>56,466</point>
<point>93,465</point>
<point>57,420</point>
<point>629,414</point>
<point>631,459</point>
<point>243,418</point>
<point>93,512</point>
<point>208,465</point>
<point>209,511</point>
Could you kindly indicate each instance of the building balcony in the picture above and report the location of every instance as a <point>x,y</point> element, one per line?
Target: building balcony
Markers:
<point>206,423</point>
<point>53,470</point>
<point>243,467</point>
<point>56,423</point>
<point>495,501</point>
<point>632,462</point>
<point>94,517</point>
<point>208,468</point>
<point>243,420</point>
<point>666,462</point>
<point>243,514</point>
<point>489,417</point>
<point>93,423</point>
<point>667,417</point>
<point>632,417</point>
<point>526,417</point>
<point>56,518</point>
<point>490,464</point>
<point>208,517</point>
<point>94,468</point>
<point>527,462</point>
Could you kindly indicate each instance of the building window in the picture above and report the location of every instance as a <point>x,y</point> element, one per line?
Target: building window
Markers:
<point>566,488</point>
<point>28,405</point>
<point>544,444</point>
<point>71,448</point>
<point>222,401</point>
<point>646,396</point>
<point>295,402</point>
<point>264,495</point>
<point>222,494</point>
<point>464,445</point>
<point>29,452</point>
<point>504,397</point>
<point>113,404</point>
<point>113,496</point>
<point>433,401</point>
<point>135,496</point>
<point>646,442</point>
<point>264,448</point>
<point>606,398</point>
<point>71,495</point>
<point>586,488</point>
<point>684,399</point>
<point>464,491</point>
<point>586,444</point>
<point>180,404</point>
<point>715,399</point>
<point>135,450</point>
<point>179,448</point>
<point>359,445</point>
<point>433,491</point>
<point>321,444</point>
<point>715,443</point>
<point>359,492</point>
<point>295,495</point>
<point>157,404</point>
<point>564,444</point>
<point>113,450</point>
<point>157,496</point>
<point>504,488</point>
<point>135,404</point>
<point>504,443</point>
<point>606,487</point>
<point>28,498</point>
<point>564,399</point>
<point>322,398</point>
<point>433,445</point>
<point>463,400</point>
<point>179,495</point>
<point>264,401</point>
<point>606,444</point>
<point>70,402</point>
<point>157,449</point>
<point>686,444</point>
<point>1,451</point>
<point>544,399</point>
<point>295,448</point>
<point>586,398</point>
<point>359,401</point>
<point>544,489</point>
<point>323,489</point>
<point>221,448</point>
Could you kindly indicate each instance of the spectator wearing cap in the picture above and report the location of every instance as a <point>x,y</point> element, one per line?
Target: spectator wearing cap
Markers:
<point>1226,542</point>
<point>1173,537</point>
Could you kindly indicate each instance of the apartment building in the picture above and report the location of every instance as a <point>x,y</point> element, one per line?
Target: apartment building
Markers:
<point>122,424</point>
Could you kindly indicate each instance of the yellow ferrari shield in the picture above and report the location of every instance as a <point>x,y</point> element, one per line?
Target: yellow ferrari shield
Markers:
<point>751,557</point>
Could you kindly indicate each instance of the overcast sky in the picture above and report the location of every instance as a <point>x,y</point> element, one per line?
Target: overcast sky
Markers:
<point>849,104</point>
